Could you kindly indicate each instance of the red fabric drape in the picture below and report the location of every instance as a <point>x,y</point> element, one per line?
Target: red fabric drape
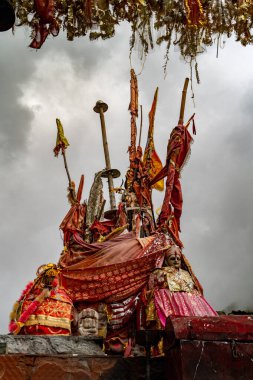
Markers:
<point>177,152</point>
<point>119,269</point>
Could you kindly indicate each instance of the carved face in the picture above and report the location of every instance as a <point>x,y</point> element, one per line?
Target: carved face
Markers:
<point>88,322</point>
<point>174,260</point>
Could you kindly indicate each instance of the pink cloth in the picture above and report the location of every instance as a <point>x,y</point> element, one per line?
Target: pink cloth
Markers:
<point>181,304</point>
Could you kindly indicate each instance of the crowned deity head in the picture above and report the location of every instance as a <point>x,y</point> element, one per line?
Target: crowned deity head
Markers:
<point>173,257</point>
<point>47,276</point>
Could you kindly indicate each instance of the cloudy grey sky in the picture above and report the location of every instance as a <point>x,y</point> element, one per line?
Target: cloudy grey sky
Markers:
<point>65,79</point>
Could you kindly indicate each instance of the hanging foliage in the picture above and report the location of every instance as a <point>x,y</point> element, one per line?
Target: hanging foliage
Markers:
<point>192,25</point>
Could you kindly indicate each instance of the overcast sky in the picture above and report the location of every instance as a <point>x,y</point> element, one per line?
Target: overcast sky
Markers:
<point>65,79</point>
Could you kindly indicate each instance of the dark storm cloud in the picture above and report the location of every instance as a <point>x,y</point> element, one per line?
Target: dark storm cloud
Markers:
<point>15,117</point>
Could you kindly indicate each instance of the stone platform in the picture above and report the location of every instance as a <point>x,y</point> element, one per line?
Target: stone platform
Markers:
<point>69,358</point>
<point>51,345</point>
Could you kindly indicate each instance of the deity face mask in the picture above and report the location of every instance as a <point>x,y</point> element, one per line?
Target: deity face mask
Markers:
<point>173,258</point>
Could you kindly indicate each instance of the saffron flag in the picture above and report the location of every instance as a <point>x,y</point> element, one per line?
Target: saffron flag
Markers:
<point>151,160</point>
<point>61,141</point>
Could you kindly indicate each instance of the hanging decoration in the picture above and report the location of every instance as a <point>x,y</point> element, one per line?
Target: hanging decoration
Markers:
<point>192,25</point>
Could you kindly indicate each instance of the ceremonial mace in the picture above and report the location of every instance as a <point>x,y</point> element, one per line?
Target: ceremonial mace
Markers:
<point>108,173</point>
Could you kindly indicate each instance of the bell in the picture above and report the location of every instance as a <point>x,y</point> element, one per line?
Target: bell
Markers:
<point>7,15</point>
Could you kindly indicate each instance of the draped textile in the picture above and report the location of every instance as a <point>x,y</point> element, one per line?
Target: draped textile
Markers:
<point>180,303</point>
<point>113,270</point>
<point>121,312</point>
<point>136,177</point>
<point>177,153</point>
<point>53,312</point>
<point>42,311</point>
<point>151,160</point>
<point>73,221</point>
<point>45,10</point>
<point>41,32</point>
<point>79,250</point>
<point>194,11</point>
<point>133,108</point>
<point>176,292</point>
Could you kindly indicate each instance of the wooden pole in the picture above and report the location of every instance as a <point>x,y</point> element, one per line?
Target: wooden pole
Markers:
<point>100,108</point>
<point>66,167</point>
<point>71,190</point>
<point>183,99</point>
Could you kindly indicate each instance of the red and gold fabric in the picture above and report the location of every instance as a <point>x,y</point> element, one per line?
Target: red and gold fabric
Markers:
<point>175,291</point>
<point>180,303</point>
<point>133,108</point>
<point>74,221</point>
<point>194,11</point>
<point>54,312</point>
<point>43,306</point>
<point>117,269</point>
<point>137,180</point>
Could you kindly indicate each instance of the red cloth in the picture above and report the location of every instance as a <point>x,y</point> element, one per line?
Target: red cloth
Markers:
<point>116,270</point>
<point>41,33</point>
<point>45,9</point>
<point>182,304</point>
<point>177,153</point>
<point>73,221</point>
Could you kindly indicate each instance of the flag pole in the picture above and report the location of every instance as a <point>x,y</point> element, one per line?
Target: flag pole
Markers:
<point>109,173</point>
<point>183,99</point>
<point>61,145</point>
<point>66,167</point>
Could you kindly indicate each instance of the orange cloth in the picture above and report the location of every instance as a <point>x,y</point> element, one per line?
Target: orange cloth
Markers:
<point>151,160</point>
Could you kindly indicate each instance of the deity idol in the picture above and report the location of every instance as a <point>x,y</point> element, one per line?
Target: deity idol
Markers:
<point>175,290</point>
<point>44,307</point>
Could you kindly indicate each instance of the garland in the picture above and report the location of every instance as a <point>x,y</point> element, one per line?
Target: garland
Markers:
<point>19,318</point>
<point>193,25</point>
<point>15,326</point>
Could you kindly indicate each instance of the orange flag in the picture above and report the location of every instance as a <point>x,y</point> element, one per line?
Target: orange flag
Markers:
<point>151,160</point>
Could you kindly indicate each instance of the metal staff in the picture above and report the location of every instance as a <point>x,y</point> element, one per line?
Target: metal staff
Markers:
<point>109,173</point>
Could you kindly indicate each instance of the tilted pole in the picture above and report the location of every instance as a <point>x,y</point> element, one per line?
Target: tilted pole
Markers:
<point>110,173</point>
<point>183,99</point>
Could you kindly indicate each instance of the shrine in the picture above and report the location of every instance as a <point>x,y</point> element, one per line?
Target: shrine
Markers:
<point>123,301</point>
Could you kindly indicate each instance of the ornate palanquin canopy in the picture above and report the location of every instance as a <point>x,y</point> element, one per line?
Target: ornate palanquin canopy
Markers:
<point>192,25</point>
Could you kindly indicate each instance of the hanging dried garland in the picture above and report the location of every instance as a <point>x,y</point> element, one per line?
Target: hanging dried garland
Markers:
<point>191,24</point>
